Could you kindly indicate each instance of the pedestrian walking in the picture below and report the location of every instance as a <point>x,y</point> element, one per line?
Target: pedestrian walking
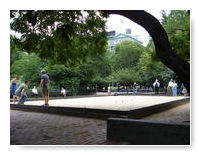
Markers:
<point>169,88</point>
<point>13,86</point>
<point>156,86</point>
<point>21,92</point>
<point>174,88</point>
<point>44,84</point>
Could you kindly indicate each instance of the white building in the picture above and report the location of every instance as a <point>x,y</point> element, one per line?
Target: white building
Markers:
<point>115,37</point>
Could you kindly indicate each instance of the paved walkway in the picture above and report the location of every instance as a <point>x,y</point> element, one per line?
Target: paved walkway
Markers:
<point>32,128</point>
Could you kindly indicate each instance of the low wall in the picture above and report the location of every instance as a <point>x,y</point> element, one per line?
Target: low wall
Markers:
<point>149,110</point>
<point>141,132</point>
<point>101,113</point>
<point>73,111</point>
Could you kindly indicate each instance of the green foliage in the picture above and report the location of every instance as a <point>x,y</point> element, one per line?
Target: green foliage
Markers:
<point>127,54</point>
<point>94,71</point>
<point>177,25</point>
<point>28,67</point>
<point>124,76</point>
<point>150,68</point>
<point>124,62</point>
<point>15,54</point>
<point>74,42</point>
<point>66,37</point>
<point>72,85</point>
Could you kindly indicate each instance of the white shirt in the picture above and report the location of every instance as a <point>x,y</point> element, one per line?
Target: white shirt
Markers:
<point>170,84</point>
<point>154,84</point>
<point>174,85</point>
<point>63,91</point>
<point>34,91</point>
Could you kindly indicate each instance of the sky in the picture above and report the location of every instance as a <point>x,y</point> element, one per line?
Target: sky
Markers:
<point>120,24</point>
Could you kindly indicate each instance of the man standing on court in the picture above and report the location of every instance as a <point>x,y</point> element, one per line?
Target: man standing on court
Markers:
<point>44,84</point>
<point>156,86</point>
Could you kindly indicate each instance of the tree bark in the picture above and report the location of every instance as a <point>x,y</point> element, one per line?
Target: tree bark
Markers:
<point>161,42</point>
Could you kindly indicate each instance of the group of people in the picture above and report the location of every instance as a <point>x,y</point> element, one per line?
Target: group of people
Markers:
<point>133,88</point>
<point>171,88</point>
<point>19,93</point>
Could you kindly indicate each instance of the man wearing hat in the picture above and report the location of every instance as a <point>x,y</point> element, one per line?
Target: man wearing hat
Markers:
<point>44,84</point>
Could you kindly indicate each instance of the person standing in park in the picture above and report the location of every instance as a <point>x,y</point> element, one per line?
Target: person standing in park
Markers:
<point>174,88</point>
<point>63,92</point>
<point>156,86</point>
<point>13,86</point>
<point>109,89</point>
<point>169,88</point>
<point>184,90</point>
<point>34,91</point>
<point>135,88</point>
<point>21,92</point>
<point>44,84</point>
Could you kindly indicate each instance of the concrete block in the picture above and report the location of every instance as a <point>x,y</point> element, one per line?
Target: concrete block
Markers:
<point>142,132</point>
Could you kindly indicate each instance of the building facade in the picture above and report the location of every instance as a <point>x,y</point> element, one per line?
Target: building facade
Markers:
<point>115,37</point>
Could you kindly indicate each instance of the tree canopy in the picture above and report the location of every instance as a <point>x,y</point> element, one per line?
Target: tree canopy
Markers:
<point>127,54</point>
<point>70,46</point>
<point>61,36</point>
<point>177,26</point>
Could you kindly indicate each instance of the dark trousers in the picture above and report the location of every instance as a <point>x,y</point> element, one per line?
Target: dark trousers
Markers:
<point>156,90</point>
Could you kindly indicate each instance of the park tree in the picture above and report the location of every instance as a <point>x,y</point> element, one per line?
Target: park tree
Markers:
<point>27,67</point>
<point>124,61</point>
<point>177,26</point>
<point>125,76</point>
<point>65,37</point>
<point>150,68</point>
<point>55,35</point>
<point>94,71</point>
<point>160,38</point>
<point>64,76</point>
<point>127,54</point>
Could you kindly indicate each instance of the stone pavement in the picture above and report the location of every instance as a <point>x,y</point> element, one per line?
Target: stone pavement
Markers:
<point>32,128</point>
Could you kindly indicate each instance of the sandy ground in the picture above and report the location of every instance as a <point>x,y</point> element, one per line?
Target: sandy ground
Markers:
<point>109,102</point>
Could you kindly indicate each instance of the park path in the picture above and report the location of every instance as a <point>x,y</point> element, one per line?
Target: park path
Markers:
<point>33,128</point>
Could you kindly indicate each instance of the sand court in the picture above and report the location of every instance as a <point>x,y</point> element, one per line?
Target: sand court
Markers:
<point>109,102</point>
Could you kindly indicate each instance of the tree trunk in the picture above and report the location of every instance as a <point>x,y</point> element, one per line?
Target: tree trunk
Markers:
<point>161,42</point>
